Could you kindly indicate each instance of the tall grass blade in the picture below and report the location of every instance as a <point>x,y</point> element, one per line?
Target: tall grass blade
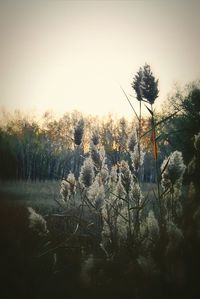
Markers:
<point>130,103</point>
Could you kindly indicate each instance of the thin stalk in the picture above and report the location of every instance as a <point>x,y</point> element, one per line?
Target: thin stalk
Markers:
<point>137,218</point>
<point>139,139</point>
<point>156,164</point>
<point>129,220</point>
<point>172,204</point>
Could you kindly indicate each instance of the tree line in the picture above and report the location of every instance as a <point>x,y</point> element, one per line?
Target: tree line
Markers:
<point>51,148</point>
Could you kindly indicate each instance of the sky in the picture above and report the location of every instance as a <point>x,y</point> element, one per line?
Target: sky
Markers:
<point>74,55</point>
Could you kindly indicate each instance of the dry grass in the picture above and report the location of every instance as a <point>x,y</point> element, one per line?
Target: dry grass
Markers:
<point>39,195</point>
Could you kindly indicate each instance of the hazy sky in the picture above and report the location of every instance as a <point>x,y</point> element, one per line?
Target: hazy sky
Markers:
<point>66,55</point>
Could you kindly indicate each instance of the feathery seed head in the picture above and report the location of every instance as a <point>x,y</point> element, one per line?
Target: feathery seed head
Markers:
<point>145,85</point>
<point>72,183</point>
<point>97,155</point>
<point>126,176</point>
<point>119,189</point>
<point>65,190</point>
<point>104,174</point>
<point>95,137</point>
<point>113,176</point>
<point>132,141</point>
<point>78,132</point>
<point>197,142</point>
<point>135,193</point>
<point>175,237</point>
<point>152,224</point>
<point>87,175</point>
<point>37,223</point>
<point>96,193</point>
<point>137,80</point>
<point>172,172</point>
<point>137,158</point>
<point>149,86</point>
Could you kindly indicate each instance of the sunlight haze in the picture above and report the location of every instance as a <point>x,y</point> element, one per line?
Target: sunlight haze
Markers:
<point>67,55</point>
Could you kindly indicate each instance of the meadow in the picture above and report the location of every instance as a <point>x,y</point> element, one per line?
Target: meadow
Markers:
<point>42,196</point>
<point>38,195</point>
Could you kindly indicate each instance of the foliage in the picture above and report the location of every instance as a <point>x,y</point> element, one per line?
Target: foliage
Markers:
<point>47,150</point>
<point>179,131</point>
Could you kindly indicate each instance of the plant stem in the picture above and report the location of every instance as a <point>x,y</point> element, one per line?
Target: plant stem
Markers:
<point>139,139</point>
<point>137,220</point>
<point>156,163</point>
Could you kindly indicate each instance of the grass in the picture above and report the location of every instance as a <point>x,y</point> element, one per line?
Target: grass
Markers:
<point>39,195</point>
<point>57,273</point>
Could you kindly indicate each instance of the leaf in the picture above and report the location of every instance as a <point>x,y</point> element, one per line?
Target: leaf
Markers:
<point>103,248</point>
<point>150,111</point>
<point>155,194</point>
<point>130,103</point>
<point>160,122</point>
<point>146,199</point>
<point>165,165</point>
<point>154,145</point>
<point>159,137</point>
<point>90,224</point>
<point>146,133</point>
<point>166,118</point>
<point>155,150</point>
<point>119,197</point>
<point>76,229</point>
<point>165,192</point>
<point>135,208</point>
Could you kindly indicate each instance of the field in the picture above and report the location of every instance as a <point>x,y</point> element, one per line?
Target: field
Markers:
<point>39,195</point>
<point>60,268</point>
<point>113,235</point>
<point>42,196</point>
<point>57,272</point>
